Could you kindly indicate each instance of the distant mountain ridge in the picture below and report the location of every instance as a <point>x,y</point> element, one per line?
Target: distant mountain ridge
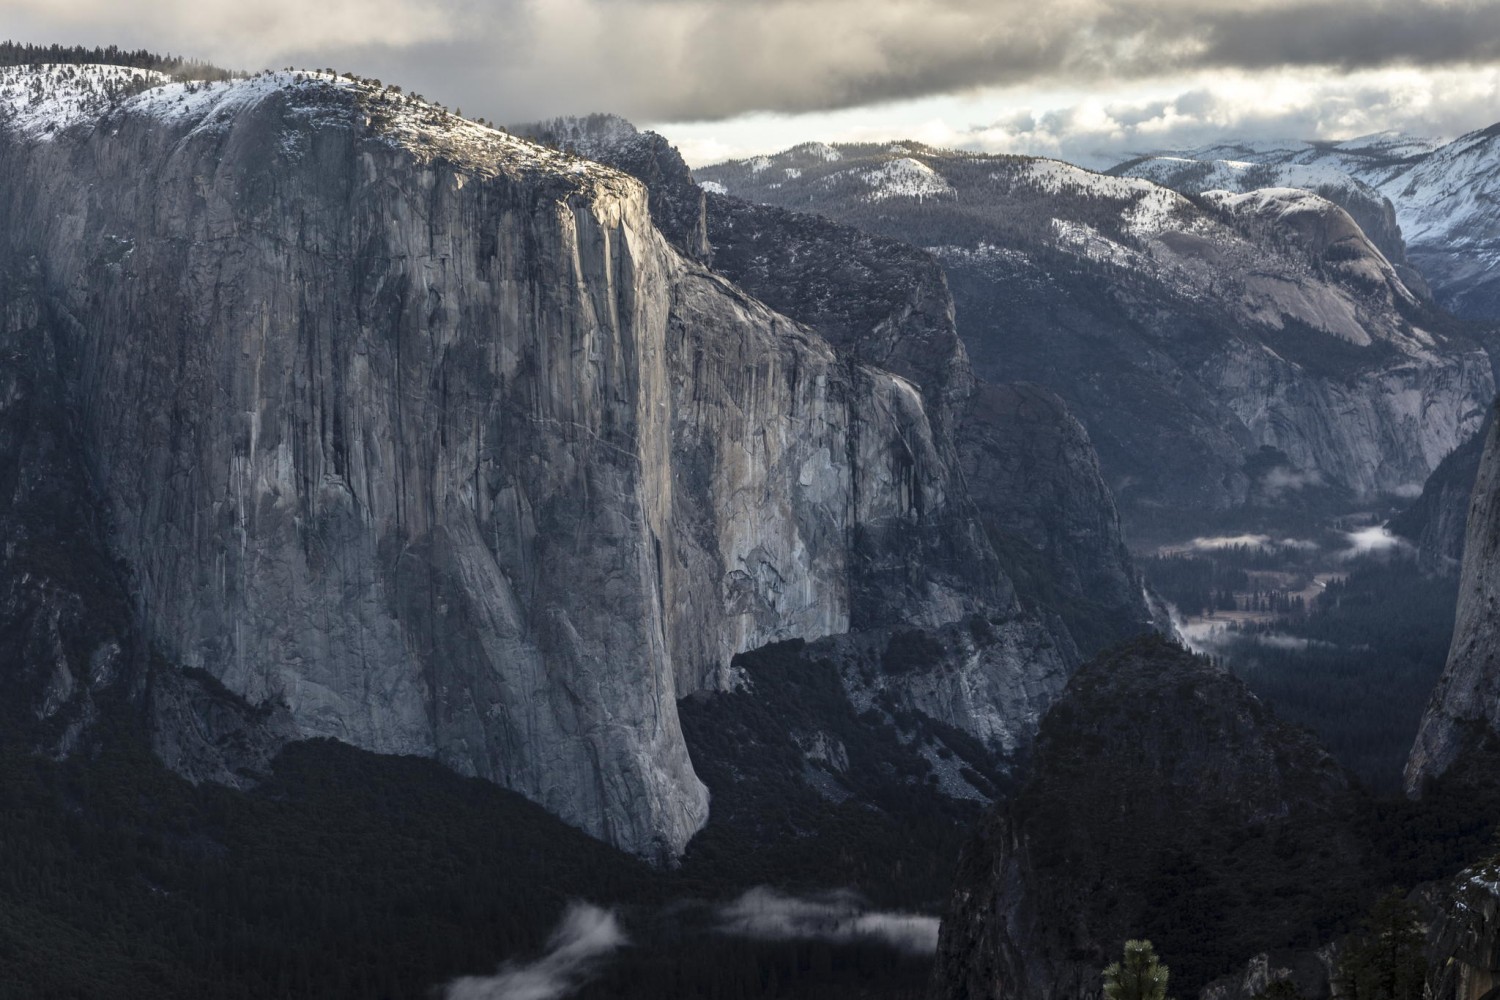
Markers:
<point>1216,348</point>
<point>1444,196</point>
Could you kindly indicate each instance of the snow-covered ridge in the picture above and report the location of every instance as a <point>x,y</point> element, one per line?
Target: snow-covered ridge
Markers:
<point>43,103</point>
<point>1444,193</point>
<point>39,101</point>
<point>1055,177</point>
<point>1276,201</point>
<point>1154,205</point>
<point>1241,175</point>
<point>905,178</point>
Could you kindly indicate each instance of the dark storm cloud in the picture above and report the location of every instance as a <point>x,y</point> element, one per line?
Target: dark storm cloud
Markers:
<point>1350,35</point>
<point>708,59</point>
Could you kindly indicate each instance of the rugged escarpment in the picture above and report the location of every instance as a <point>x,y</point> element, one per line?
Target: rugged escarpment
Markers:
<point>1048,512</point>
<point>413,434</point>
<point>1164,802</point>
<point>1033,478</point>
<point>1459,730</point>
<point>1437,521</point>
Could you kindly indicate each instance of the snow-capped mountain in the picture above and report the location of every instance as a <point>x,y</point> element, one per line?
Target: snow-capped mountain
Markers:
<point>1445,197</point>
<point>1220,349</point>
<point>1368,207</point>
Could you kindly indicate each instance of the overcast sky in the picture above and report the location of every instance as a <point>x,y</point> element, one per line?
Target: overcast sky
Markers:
<point>1092,80</point>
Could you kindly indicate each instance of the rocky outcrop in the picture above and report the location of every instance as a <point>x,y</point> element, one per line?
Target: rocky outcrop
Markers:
<point>1164,801</point>
<point>422,437</point>
<point>1437,522</point>
<point>1459,728</point>
<point>678,204</point>
<point>1465,937</point>
<point>963,675</point>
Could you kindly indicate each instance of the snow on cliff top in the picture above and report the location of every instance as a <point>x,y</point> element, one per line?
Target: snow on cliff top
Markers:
<point>40,103</point>
<point>1275,201</point>
<point>43,100</point>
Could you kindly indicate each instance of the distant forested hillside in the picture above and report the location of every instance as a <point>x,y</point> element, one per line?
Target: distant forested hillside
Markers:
<point>19,54</point>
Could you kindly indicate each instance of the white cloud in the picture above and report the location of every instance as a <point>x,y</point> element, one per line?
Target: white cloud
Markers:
<point>714,59</point>
<point>1144,117</point>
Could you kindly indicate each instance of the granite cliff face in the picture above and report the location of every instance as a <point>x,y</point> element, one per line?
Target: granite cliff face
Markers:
<point>411,433</point>
<point>1437,521</point>
<point>1221,351</point>
<point>678,205</point>
<point>1034,481</point>
<point>1465,937</point>
<point>1459,728</point>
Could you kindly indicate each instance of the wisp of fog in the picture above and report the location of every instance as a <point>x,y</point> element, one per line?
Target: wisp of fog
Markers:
<point>838,916</point>
<point>583,937</point>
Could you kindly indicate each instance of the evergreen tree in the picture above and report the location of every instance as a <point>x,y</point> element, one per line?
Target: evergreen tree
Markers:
<point>1281,989</point>
<point>1389,962</point>
<point>1140,977</point>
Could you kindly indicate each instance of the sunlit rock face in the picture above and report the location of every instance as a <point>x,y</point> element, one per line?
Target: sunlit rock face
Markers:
<point>425,438</point>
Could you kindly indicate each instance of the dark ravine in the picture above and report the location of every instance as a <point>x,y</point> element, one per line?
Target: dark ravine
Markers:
<point>1166,802</point>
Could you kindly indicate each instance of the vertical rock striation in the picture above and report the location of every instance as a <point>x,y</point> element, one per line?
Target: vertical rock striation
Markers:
<point>422,437</point>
